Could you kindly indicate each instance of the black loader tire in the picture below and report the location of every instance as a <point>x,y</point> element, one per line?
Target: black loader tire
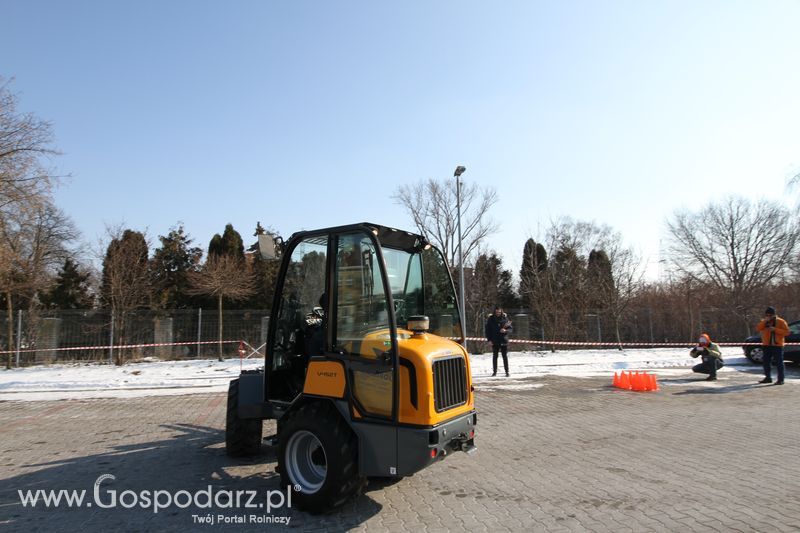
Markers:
<point>242,436</point>
<point>342,480</point>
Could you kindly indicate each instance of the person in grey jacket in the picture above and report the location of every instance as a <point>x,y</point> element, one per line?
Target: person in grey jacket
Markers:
<point>498,326</point>
<point>711,356</point>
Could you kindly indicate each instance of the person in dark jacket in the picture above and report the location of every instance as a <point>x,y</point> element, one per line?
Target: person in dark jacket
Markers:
<point>498,326</point>
<point>711,356</point>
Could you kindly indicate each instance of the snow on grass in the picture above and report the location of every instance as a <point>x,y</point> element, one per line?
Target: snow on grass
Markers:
<point>664,362</point>
<point>92,380</point>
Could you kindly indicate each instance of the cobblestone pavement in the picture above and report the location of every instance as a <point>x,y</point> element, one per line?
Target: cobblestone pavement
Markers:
<point>555,454</point>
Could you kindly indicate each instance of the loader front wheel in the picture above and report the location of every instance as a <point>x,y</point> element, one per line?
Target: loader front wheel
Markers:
<point>242,435</point>
<point>318,458</point>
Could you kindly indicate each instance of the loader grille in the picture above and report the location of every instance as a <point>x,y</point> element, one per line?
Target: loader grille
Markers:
<point>449,383</point>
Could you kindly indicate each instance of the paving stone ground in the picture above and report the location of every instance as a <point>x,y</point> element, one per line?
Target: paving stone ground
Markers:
<point>569,455</point>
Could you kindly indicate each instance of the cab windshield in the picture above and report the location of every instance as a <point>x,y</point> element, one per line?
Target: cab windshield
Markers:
<point>421,285</point>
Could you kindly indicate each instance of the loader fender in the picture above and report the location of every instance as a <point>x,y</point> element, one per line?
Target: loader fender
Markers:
<point>251,394</point>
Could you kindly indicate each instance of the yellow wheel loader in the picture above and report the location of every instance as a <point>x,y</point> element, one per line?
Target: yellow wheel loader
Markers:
<point>360,371</point>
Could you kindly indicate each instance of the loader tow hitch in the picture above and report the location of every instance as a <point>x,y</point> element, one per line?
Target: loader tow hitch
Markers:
<point>463,443</point>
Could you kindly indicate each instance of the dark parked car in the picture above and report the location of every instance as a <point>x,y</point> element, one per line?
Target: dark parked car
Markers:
<point>790,353</point>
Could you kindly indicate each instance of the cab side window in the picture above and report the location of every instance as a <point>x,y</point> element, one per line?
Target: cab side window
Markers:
<point>362,317</point>
<point>303,286</point>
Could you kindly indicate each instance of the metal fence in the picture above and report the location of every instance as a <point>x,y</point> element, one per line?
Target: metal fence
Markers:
<point>42,336</point>
<point>643,325</point>
<point>96,335</point>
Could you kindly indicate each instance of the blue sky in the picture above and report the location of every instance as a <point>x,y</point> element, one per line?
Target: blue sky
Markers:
<point>306,114</point>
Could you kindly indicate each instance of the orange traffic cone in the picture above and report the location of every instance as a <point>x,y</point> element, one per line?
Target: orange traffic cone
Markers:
<point>636,381</point>
<point>625,380</point>
<point>642,381</point>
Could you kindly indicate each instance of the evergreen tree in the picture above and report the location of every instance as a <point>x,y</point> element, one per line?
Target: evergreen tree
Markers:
<point>71,289</point>
<point>169,267</point>
<point>259,231</point>
<point>599,278</point>
<point>569,274</point>
<point>265,272</point>
<point>489,285</point>
<point>568,279</point>
<point>126,283</point>
<point>506,296</point>
<point>215,247</point>
<point>125,269</point>
<point>534,264</point>
<point>229,243</point>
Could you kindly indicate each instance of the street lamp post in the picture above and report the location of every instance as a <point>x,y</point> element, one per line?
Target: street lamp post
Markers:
<point>462,317</point>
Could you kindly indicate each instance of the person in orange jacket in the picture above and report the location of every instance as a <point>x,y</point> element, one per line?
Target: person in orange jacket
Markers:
<point>773,329</point>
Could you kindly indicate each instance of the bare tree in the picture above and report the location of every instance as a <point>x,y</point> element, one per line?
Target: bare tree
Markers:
<point>566,233</point>
<point>33,243</point>
<point>224,277</point>
<point>736,246</point>
<point>616,292</point>
<point>25,185</point>
<point>793,183</point>
<point>25,141</point>
<point>432,206</point>
<point>126,279</point>
<point>534,284</point>
<point>587,269</point>
<point>566,281</point>
<point>488,284</point>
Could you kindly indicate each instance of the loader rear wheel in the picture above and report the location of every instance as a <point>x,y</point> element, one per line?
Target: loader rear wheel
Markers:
<point>242,435</point>
<point>318,458</point>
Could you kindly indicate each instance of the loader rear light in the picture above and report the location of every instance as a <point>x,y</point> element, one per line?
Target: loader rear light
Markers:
<point>472,434</point>
<point>434,452</point>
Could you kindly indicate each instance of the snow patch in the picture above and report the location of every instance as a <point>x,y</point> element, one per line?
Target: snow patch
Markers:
<point>160,378</point>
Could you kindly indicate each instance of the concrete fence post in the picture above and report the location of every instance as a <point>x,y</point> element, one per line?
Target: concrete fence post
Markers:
<point>163,334</point>
<point>47,340</point>
<point>199,329</point>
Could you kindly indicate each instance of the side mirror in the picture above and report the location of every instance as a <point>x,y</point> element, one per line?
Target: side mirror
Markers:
<point>267,246</point>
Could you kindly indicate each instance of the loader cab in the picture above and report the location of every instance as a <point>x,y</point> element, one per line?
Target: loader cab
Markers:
<point>342,294</point>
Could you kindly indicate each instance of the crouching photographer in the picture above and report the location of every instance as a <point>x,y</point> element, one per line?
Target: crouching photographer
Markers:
<point>712,357</point>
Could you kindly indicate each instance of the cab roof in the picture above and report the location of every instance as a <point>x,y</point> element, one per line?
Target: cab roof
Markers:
<point>388,237</point>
